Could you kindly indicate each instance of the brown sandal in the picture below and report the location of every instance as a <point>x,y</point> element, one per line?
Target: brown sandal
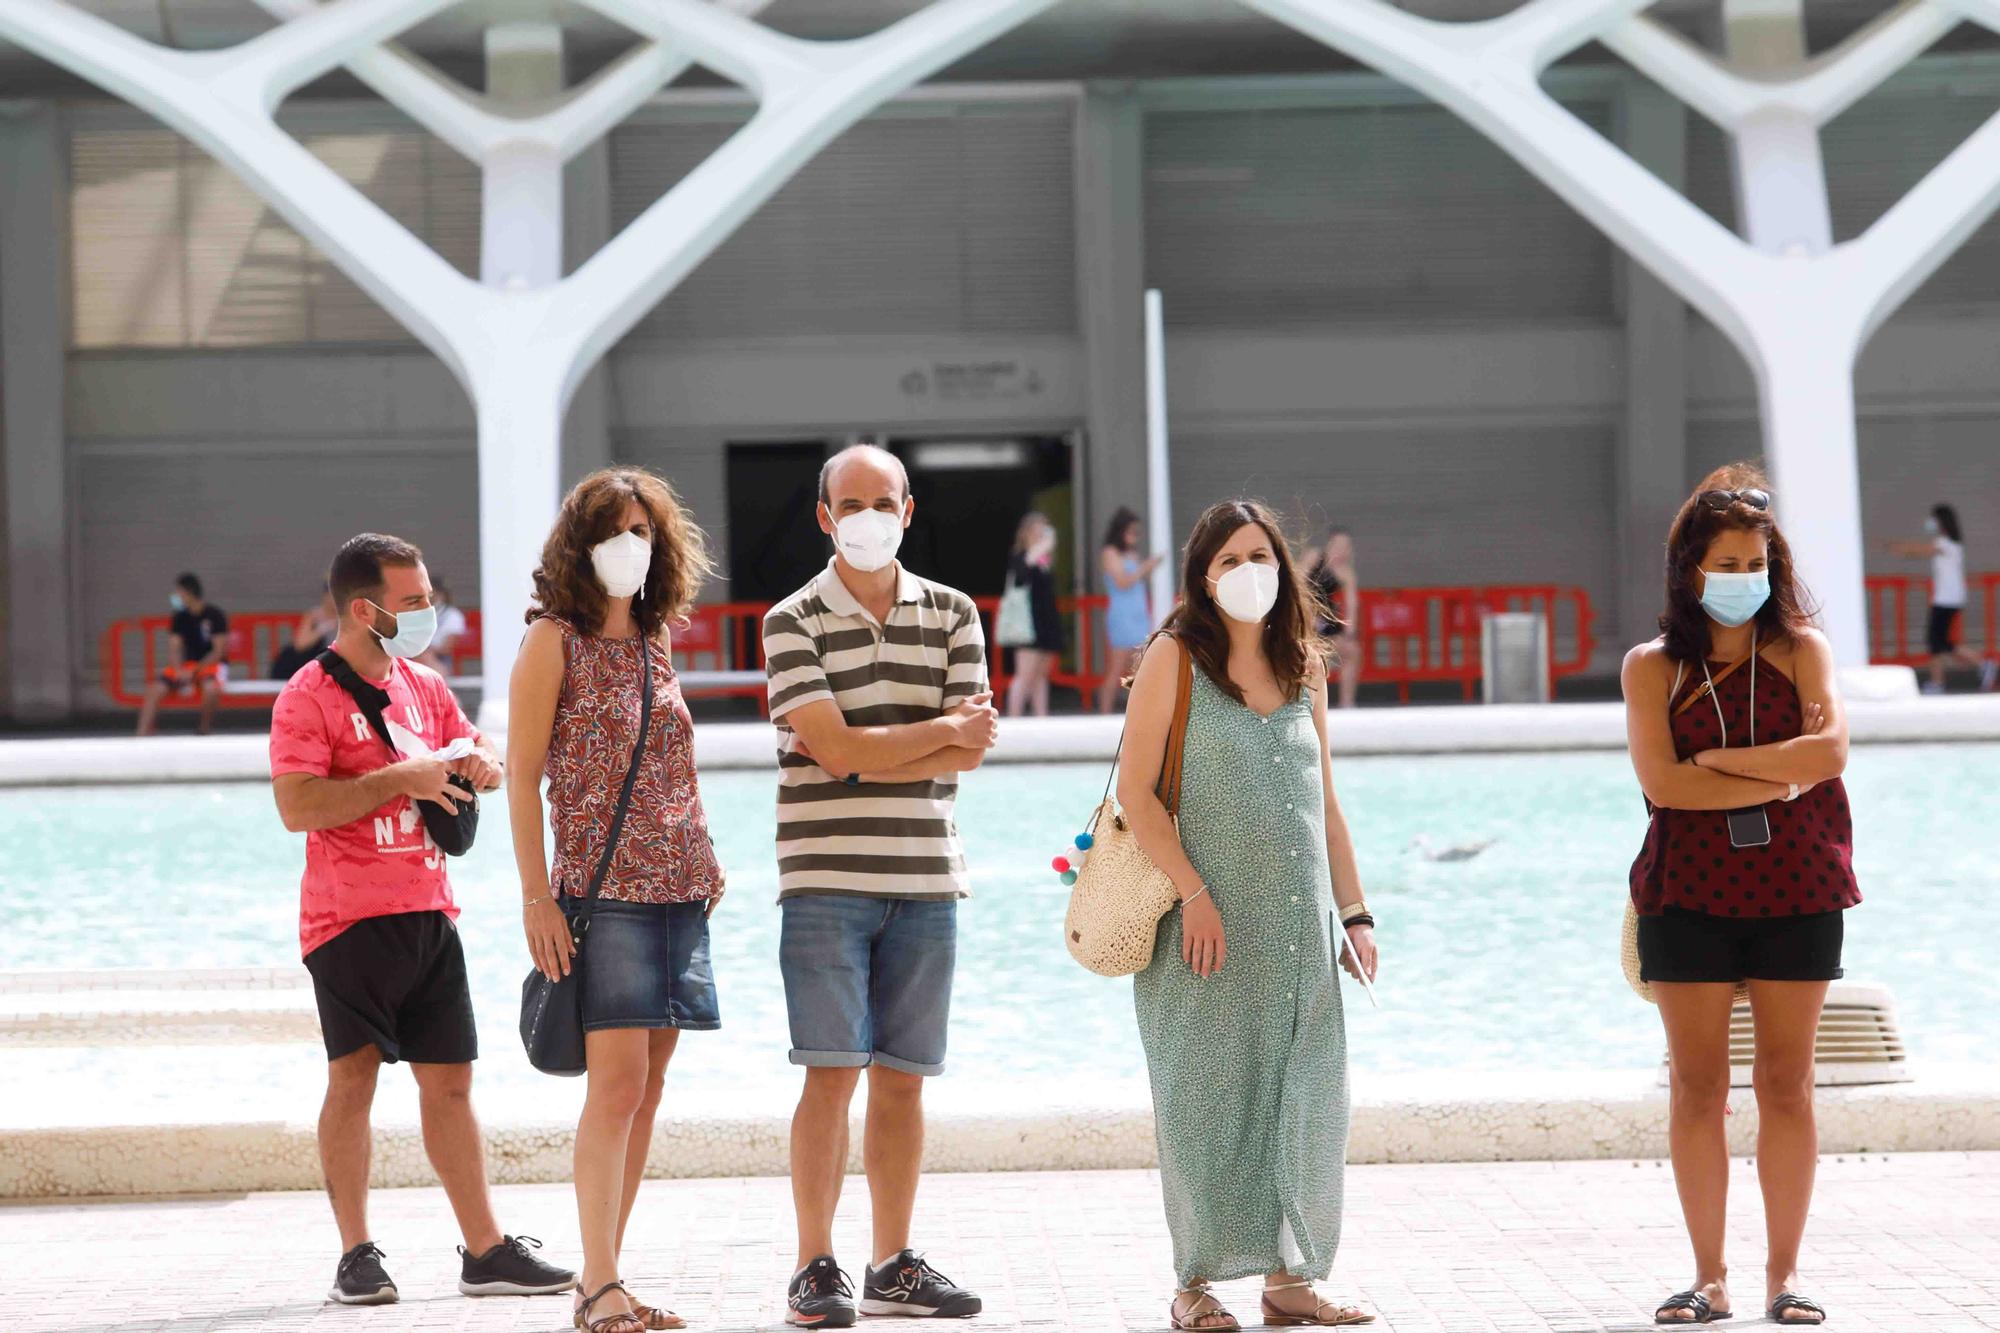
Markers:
<point>1197,1318</point>
<point>621,1322</point>
<point>653,1317</point>
<point>1340,1316</point>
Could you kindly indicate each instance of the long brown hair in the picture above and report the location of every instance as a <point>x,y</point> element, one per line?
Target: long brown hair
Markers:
<point>1717,506</point>
<point>1290,641</point>
<point>566,583</point>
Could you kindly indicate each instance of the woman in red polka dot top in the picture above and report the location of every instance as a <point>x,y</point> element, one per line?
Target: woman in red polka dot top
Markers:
<point>1736,730</point>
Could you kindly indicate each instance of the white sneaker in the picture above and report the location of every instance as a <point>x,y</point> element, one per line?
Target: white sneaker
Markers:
<point>1989,675</point>
<point>1933,687</point>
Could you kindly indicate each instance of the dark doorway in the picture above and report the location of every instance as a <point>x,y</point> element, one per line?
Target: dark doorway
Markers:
<point>774,546</point>
<point>971,495</point>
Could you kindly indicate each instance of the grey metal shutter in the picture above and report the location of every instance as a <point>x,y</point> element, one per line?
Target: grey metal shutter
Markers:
<point>126,250</point>
<point>259,524</point>
<point>922,219</point>
<point>170,249</point>
<point>1339,215</point>
<point>1875,153</point>
<point>1428,506</point>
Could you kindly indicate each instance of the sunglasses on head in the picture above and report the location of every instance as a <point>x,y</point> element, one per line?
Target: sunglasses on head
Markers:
<point>1756,499</point>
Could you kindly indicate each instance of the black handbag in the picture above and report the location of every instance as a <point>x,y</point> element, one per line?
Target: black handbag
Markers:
<point>452,832</point>
<point>552,1011</point>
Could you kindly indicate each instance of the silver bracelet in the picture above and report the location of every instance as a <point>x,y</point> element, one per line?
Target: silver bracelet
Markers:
<point>1192,896</point>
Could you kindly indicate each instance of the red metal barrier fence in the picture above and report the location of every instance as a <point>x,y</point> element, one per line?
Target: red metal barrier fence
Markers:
<point>1899,615</point>
<point>1409,636</point>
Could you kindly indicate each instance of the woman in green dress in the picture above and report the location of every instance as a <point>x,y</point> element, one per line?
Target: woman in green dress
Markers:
<point>1240,1009</point>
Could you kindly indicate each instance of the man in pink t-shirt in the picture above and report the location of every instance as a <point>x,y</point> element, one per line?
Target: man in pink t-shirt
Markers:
<point>376,917</point>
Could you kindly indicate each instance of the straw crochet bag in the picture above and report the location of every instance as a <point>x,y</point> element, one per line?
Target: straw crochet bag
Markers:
<point>1628,941</point>
<point>1119,896</point>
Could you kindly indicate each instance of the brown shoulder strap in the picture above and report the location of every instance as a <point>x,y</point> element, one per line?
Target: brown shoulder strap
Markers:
<point>1176,752</point>
<point>1701,691</point>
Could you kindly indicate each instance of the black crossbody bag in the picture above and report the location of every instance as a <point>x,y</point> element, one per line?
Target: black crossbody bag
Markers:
<point>453,833</point>
<point>552,1011</point>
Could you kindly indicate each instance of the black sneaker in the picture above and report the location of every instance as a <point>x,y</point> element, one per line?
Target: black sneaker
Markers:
<point>907,1284</point>
<point>509,1270</point>
<point>821,1296</point>
<point>360,1279</point>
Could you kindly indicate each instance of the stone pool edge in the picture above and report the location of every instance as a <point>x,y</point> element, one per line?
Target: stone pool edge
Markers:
<point>1498,729</point>
<point>1411,1118</point>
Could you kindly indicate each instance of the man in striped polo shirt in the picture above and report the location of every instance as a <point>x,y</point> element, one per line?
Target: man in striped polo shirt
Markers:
<point>878,689</point>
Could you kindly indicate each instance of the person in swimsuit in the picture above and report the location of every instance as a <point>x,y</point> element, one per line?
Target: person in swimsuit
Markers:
<point>1128,612</point>
<point>1330,568</point>
<point>1738,737</point>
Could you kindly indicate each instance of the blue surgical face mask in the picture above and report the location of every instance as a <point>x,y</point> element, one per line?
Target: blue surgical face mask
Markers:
<point>1735,599</point>
<point>414,631</point>
<point>178,602</point>
<point>1931,526</point>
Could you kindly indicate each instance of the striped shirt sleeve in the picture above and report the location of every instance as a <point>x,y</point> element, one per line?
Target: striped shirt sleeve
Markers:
<point>965,670</point>
<point>791,661</point>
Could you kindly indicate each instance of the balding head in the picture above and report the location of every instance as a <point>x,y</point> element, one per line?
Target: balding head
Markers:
<point>860,475</point>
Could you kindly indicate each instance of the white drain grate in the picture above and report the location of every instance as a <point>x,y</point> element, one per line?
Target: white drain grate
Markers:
<point>1859,1040</point>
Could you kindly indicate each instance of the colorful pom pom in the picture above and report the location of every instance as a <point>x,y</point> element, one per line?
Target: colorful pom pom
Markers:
<point>1069,877</point>
<point>1060,864</point>
<point>1083,842</point>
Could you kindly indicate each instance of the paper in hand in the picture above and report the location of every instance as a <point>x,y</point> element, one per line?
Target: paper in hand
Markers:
<point>412,745</point>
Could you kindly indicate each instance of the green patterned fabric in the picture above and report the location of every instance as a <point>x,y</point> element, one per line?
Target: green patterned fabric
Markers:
<point>1249,1068</point>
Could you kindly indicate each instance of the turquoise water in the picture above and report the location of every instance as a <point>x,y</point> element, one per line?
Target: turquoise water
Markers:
<point>1507,961</point>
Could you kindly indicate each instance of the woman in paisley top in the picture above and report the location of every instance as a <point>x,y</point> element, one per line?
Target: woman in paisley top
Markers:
<point>623,561</point>
<point>1240,1009</point>
<point>1739,739</point>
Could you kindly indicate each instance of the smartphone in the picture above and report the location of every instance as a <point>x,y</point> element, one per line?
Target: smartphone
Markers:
<point>1749,827</point>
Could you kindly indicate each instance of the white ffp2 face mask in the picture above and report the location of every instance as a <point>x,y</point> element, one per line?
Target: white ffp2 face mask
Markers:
<point>868,540</point>
<point>1247,592</point>
<point>622,563</point>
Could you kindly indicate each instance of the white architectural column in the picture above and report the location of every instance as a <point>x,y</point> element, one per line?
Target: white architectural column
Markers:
<point>1799,316</point>
<point>586,443</point>
<point>521,208</point>
<point>1783,210</point>
<point>1110,270</point>
<point>1651,475</point>
<point>523,341</point>
<point>34,340</point>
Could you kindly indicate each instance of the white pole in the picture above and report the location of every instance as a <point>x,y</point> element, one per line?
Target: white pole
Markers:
<point>1159,508</point>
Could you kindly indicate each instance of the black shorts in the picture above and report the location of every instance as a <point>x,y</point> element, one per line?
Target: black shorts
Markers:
<point>1944,629</point>
<point>398,983</point>
<point>1680,945</point>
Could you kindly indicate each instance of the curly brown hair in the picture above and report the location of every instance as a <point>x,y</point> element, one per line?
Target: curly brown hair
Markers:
<point>1291,643</point>
<point>1718,504</point>
<point>566,583</point>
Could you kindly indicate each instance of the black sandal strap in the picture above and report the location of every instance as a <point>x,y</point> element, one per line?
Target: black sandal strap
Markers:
<point>1685,1300</point>
<point>1788,1301</point>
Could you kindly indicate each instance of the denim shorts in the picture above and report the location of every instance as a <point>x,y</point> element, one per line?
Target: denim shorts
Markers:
<point>868,980</point>
<point>645,965</point>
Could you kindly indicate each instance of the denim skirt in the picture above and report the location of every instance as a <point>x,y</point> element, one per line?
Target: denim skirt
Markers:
<point>645,965</point>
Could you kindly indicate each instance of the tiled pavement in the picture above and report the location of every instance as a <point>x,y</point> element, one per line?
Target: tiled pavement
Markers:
<point>1905,1243</point>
